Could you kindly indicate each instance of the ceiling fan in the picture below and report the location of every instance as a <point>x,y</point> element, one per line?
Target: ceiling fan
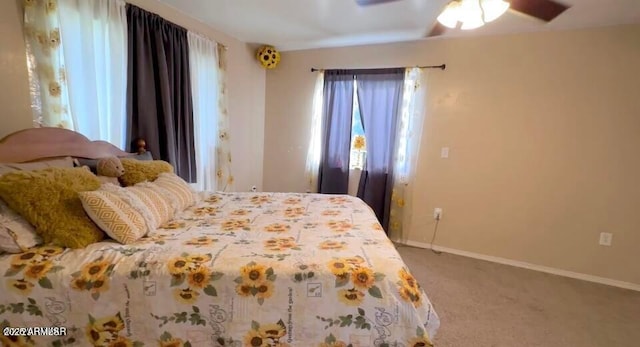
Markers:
<point>485,11</point>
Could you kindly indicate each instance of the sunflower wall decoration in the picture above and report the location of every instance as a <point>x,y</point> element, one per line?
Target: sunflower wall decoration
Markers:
<point>268,56</point>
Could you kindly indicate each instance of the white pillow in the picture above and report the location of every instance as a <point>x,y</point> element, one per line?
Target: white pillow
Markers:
<point>36,165</point>
<point>16,234</point>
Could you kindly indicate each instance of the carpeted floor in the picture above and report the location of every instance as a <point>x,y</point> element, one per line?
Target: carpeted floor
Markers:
<point>486,304</point>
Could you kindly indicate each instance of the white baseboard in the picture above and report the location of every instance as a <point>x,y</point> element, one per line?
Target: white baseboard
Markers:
<point>525,265</point>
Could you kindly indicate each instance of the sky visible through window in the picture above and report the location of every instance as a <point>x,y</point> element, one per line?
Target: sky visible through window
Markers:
<point>356,121</point>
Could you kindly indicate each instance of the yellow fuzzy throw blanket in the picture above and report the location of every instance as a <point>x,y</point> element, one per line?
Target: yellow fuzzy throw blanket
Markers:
<point>136,171</point>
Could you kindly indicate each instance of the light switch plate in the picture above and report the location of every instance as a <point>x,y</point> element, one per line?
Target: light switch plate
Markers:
<point>606,239</point>
<point>444,152</point>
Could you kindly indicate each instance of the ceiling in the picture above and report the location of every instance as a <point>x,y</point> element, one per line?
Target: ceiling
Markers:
<point>304,24</point>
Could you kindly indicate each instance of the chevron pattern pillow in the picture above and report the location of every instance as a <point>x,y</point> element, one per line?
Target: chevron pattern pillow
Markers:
<point>114,216</point>
<point>154,207</point>
<point>175,189</point>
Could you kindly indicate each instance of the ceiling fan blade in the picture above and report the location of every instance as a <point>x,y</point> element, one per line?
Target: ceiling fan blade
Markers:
<point>545,10</point>
<point>437,30</point>
<point>372,2</point>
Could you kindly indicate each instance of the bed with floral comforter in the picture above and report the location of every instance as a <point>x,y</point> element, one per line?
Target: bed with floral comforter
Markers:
<point>237,269</point>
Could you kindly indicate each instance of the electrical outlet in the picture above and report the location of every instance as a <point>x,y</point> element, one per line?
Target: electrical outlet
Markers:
<point>444,152</point>
<point>437,213</point>
<point>606,239</point>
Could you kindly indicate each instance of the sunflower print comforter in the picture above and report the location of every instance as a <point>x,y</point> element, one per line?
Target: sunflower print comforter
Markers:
<point>237,269</point>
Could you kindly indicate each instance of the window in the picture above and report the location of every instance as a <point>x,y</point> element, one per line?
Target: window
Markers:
<point>94,36</point>
<point>358,139</point>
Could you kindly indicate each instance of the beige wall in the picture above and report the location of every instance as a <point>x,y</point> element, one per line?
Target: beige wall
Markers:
<point>543,135</point>
<point>14,84</point>
<point>246,84</point>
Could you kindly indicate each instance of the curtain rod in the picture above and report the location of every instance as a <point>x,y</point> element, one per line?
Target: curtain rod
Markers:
<point>441,67</point>
<point>182,26</point>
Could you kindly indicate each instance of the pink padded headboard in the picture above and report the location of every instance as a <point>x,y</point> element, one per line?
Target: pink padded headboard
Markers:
<point>40,143</point>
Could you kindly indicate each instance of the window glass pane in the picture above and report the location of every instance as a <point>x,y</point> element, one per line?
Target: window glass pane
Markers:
<point>358,140</point>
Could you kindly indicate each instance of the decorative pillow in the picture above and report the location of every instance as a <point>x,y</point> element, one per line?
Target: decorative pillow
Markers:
<point>175,189</point>
<point>153,206</point>
<point>146,156</point>
<point>93,163</point>
<point>48,199</point>
<point>136,171</point>
<point>16,234</point>
<point>37,165</point>
<point>114,216</point>
<point>111,180</point>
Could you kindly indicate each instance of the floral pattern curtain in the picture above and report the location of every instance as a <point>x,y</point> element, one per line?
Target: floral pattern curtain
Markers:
<point>223,150</point>
<point>45,60</point>
<point>407,149</point>
<point>312,166</point>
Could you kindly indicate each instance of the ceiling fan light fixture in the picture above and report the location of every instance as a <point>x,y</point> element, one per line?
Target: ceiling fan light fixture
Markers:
<point>470,14</point>
<point>493,9</point>
<point>473,23</point>
<point>449,17</point>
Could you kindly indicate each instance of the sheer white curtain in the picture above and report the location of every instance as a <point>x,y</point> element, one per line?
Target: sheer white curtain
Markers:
<point>94,36</point>
<point>203,64</point>
<point>407,150</point>
<point>315,142</point>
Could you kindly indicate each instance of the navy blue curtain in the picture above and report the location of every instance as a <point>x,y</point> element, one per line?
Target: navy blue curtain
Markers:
<point>159,104</point>
<point>337,110</point>
<point>380,99</point>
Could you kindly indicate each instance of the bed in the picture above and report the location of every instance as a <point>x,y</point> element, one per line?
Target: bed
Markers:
<point>236,269</point>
